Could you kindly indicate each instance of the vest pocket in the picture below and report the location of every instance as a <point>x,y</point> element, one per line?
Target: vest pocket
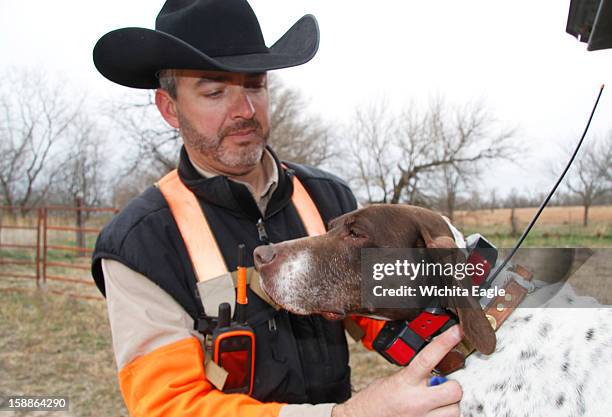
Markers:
<point>277,376</point>
<point>299,359</point>
<point>332,392</point>
<point>324,357</point>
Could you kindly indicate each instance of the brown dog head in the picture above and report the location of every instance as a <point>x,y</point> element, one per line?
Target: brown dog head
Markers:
<point>322,274</point>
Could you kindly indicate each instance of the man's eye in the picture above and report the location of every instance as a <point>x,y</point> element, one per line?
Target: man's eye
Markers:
<point>213,94</point>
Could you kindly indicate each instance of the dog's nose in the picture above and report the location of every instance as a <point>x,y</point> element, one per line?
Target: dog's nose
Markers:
<point>264,255</point>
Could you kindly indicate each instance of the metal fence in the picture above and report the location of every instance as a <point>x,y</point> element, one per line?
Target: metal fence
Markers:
<point>50,245</point>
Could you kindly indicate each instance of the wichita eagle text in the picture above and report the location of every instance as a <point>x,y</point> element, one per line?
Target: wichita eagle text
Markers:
<point>434,291</point>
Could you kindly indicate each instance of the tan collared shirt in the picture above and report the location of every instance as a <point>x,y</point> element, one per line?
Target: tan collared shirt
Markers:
<point>270,172</point>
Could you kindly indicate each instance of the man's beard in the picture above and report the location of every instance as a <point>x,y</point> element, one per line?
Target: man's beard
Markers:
<point>215,147</point>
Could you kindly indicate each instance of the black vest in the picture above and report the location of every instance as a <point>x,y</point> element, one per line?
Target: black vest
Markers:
<point>299,359</point>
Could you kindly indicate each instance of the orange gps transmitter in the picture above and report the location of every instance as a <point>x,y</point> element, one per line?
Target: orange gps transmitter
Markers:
<point>234,341</point>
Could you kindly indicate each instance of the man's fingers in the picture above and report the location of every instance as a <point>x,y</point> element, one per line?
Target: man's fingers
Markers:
<point>424,362</point>
<point>432,398</point>
<point>446,411</point>
<point>446,394</point>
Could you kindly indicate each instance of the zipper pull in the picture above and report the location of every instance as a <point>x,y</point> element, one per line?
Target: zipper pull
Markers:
<point>272,325</point>
<point>261,229</point>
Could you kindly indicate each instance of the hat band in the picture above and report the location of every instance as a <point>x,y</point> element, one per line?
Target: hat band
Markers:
<point>236,50</point>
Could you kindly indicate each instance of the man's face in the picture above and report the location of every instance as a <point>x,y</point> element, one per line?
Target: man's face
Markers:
<point>222,117</point>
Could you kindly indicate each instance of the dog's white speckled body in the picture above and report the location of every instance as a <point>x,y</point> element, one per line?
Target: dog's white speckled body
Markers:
<point>555,360</point>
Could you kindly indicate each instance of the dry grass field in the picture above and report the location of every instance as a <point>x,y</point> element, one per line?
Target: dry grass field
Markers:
<point>556,227</point>
<point>571,215</point>
<point>56,345</point>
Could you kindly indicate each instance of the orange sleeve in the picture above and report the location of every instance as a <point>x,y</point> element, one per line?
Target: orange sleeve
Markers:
<point>370,327</point>
<point>170,382</point>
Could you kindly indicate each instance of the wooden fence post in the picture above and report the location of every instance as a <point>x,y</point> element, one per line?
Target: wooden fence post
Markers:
<point>80,235</point>
<point>38,243</point>
<point>44,254</point>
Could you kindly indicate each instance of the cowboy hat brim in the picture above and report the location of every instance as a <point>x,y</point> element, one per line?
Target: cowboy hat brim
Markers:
<point>133,56</point>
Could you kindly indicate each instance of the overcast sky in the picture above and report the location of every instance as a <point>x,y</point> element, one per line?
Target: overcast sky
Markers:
<point>514,55</point>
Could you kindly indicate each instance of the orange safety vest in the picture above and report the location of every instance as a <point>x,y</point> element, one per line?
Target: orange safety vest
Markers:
<point>215,282</point>
<point>171,381</point>
<point>213,276</point>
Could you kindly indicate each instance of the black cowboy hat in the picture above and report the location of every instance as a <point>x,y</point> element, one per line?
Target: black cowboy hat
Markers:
<point>221,35</point>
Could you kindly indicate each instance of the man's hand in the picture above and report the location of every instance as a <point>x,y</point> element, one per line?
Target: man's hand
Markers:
<point>406,393</point>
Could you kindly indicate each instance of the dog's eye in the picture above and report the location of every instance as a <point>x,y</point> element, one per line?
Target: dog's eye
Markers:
<point>355,233</point>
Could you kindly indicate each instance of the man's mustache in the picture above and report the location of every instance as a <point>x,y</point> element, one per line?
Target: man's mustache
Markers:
<point>240,126</point>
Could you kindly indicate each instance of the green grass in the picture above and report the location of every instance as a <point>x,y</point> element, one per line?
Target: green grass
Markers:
<point>548,236</point>
<point>18,254</point>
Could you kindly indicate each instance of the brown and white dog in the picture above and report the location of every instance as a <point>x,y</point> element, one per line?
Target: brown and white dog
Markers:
<point>321,275</point>
<point>551,358</point>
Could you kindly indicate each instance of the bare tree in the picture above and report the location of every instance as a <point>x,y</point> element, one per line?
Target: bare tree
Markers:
<point>397,154</point>
<point>35,116</point>
<point>371,151</point>
<point>81,174</point>
<point>295,134</point>
<point>80,179</point>
<point>513,202</point>
<point>591,177</point>
<point>151,142</point>
<point>493,200</point>
<point>450,181</point>
<point>150,146</point>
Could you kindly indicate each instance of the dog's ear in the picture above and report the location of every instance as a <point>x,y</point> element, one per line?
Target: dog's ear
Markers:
<point>472,319</point>
<point>477,329</point>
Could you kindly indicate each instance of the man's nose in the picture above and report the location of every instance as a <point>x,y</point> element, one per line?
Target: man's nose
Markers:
<point>264,255</point>
<point>243,105</point>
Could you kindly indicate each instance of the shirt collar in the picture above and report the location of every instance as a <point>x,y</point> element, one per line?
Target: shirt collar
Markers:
<point>270,171</point>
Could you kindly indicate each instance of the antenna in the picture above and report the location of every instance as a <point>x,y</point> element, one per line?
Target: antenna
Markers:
<point>550,194</point>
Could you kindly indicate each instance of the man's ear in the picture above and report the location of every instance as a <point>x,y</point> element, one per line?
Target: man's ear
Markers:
<point>472,319</point>
<point>167,107</point>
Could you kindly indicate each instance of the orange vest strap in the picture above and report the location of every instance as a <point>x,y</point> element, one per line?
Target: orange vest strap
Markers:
<point>306,209</point>
<point>208,263</point>
<point>201,244</point>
